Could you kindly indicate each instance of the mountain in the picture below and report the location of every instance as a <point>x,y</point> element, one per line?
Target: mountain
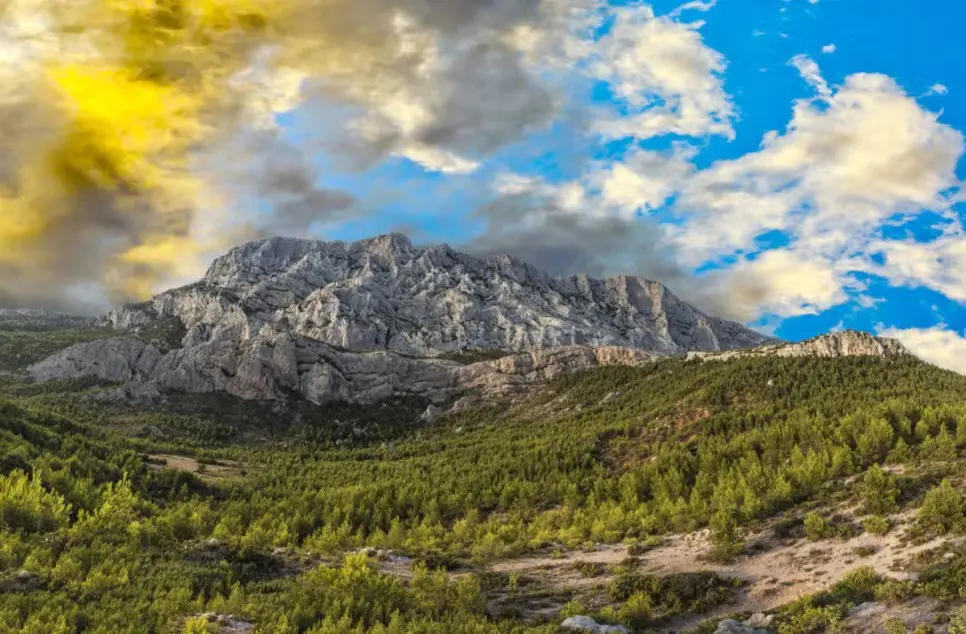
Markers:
<point>700,486</point>
<point>379,318</point>
<point>386,294</point>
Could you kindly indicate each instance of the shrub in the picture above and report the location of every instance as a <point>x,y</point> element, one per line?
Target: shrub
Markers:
<point>958,623</point>
<point>574,608</point>
<point>893,591</point>
<point>812,620</point>
<point>942,509</point>
<point>637,549</point>
<point>879,491</point>
<point>638,611</point>
<point>816,526</point>
<point>26,506</point>
<point>589,569</point>
<point>726,540</point>
<point>864,551</point>
<point>198,625</point>
<point>895,626</point>
<point>858,586</point>
<point>876,525</point>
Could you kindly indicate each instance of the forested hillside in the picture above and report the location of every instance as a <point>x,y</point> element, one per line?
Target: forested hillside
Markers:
<point>103,530</point>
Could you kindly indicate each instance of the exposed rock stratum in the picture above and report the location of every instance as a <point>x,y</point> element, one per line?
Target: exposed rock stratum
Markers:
<point>378,318</point>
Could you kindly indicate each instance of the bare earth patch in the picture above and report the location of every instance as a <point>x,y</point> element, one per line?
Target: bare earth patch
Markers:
<point>220,469</point>
<point>776,573</point>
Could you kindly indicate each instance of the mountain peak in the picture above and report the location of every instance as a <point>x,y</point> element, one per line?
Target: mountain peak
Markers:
<point>377,317</point>
<point>385,293</point>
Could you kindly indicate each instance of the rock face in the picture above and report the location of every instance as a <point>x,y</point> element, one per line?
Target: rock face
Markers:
<point>374,319</point>
<point>267,368</point>
<point>386,294</point>
<point>846,343</point>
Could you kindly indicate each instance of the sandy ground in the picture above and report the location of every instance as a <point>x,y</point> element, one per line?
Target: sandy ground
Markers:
<point>224,468</point>
<point>776,573</point>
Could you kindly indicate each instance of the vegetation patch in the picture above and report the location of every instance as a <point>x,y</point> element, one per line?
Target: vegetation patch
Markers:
<point>110,543</point>
<point>22,348</point>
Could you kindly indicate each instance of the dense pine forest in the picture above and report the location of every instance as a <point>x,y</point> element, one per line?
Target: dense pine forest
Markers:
<point>100,532</point>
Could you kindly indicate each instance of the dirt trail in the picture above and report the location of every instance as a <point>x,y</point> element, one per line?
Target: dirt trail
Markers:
<point>776,573</point>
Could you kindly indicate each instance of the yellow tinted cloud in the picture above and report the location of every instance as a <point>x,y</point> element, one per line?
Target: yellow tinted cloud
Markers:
<point>106,106</point>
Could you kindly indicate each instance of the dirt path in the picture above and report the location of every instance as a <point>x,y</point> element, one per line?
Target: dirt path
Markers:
<point>776,573</point>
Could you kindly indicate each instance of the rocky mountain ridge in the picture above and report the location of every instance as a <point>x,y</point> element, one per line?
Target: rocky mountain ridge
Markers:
<point>845,343</point>
<point>380,318</point>
<point>386,294</point>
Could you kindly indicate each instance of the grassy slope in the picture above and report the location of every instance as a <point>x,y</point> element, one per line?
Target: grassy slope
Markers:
<point>21,348</point>
<point>610,455</point>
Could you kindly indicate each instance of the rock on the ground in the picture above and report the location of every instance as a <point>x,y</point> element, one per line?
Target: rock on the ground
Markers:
<point>760,620</point>
<point>26,576</point>
<point>431,415</point>
<point>587,624</point>
<point>867,610</point>
<point>228,624</point>
<point>729,626</point>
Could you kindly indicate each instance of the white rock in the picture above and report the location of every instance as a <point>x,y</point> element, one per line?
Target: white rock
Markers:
<point>431,415</point>
<point>760,620</point>
<point>364,321</point>
<point>867,609</point>
<point>845,343</point>
<point>729,626</point>
<point>587,624</point>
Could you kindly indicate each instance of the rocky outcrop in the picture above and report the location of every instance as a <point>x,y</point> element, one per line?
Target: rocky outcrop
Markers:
<point>846,343</point>
<point>374,319</point>
<point>386,294</point>
<point>587,624</point>
<point>274,366</point>
<point>729,626</point>
<point>328,321</point>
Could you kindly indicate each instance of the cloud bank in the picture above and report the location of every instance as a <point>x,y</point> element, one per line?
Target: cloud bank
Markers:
<point>117,118</point>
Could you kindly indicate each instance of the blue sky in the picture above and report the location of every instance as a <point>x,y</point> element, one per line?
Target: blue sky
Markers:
<point>793,164</point>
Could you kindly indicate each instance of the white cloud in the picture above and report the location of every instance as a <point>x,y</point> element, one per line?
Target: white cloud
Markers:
<point>828,49</point>
<point>695,5</point>
<point>850,159</point>
<point>937,89</point>
<point>811,73</point>
<point>938,345</point>
<point>644,180</point>
<point>781,282</point>
<point>663,71</point>
<point>939,265</point>
<point>847,161</point>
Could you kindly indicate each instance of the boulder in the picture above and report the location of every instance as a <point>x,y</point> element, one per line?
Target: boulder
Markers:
<point>587,624</point>
<point>730,626</point>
